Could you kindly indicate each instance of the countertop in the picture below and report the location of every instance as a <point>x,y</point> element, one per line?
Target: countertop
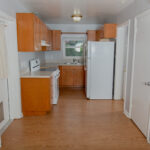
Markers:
<point>37,74</point>
<point>45,74</point>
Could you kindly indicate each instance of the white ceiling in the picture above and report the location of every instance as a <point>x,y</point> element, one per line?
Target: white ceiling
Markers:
<point>59,11</point>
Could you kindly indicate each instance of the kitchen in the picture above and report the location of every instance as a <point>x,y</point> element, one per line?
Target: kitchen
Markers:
<point>57,72</point>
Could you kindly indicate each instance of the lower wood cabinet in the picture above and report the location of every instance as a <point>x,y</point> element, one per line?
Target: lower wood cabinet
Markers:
<point>72,76</point>
<point>36,95</point>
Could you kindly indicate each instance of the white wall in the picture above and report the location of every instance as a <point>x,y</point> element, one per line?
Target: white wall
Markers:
<point>129,13</point>
<point>57,56</point>
<point>11,7</point>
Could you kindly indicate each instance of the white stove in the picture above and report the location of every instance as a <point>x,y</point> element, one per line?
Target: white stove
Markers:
<point>34,64</point>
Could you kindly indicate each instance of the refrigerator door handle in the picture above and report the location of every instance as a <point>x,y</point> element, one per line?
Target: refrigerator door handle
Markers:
<point>85,57</point>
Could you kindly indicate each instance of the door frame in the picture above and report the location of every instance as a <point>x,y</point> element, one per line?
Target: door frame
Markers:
<point>133,66</point>
<point>6,111</point>
<point>125,24</point>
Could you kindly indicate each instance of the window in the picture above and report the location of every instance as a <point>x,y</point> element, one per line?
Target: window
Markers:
<point>73,47</point>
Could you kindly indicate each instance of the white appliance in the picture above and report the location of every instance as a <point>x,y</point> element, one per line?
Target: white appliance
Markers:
<point>56,76</point>
<point>35,66</point>
<point>99,67</point>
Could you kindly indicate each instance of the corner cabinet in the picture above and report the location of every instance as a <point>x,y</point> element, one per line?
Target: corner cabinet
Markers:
<point>30,32</point>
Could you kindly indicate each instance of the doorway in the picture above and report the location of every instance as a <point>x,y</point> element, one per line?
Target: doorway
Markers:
<point>121,63</point>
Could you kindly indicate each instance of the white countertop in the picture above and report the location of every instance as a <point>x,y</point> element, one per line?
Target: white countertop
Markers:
<point>45,74</point>
<point>37,74</point>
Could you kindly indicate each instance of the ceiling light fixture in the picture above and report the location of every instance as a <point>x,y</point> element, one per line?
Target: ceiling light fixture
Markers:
<point>76,16</point>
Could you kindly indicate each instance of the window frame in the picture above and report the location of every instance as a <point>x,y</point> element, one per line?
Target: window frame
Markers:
<point>79,37</point>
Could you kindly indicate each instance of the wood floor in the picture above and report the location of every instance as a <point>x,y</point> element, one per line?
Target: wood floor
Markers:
<point>76,124</point>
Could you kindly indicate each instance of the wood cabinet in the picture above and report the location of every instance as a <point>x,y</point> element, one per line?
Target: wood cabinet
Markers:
<point>79,77</point>
<point>99,34</point>
<point>36,94</point>
<point>56,40</point>
<point>108,31</point>
<point>30,31</point>
<point>91,35</point>
<point>72,76</point>
<point>50,37</point>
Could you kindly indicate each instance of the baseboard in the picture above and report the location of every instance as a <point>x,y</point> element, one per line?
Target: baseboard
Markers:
<point>5,127</point>
<point>16,116</point>
<point>127,114</point>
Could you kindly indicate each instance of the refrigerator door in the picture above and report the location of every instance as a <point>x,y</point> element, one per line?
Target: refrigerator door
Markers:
<point>88,71</point>
<point>101,64</point>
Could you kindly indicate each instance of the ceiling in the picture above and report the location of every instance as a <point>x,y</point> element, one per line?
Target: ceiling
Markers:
<point>59,11</point>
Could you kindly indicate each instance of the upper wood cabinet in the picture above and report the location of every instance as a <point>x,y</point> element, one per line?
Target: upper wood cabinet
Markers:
<point>30,32</point>
<point>56,40</point>
<point>99,35</point>
<point>110,31</point>
<point>91,35</point>
<point>50,37</point>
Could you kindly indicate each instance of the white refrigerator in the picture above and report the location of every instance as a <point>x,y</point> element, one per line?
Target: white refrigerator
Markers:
<point>99,68</point>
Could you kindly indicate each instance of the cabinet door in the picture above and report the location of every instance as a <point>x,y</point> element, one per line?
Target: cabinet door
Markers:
<point>60,78</point>
<point>79,78</point>
<point>91,35</point>
<point>25,32</point>
<point>36,94</point>
<point>110,30</point>
<point>67,78</point>
<point>37,41</point>
<point>50,39</point>
<point>56,40</point>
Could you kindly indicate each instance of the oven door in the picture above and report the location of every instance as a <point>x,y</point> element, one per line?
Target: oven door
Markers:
<point>55,88</point>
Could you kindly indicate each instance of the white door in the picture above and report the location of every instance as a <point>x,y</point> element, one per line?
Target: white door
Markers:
<point>141,73</point>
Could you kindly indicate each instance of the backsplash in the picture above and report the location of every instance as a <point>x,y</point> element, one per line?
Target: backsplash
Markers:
<point>57,57</point>
<point>25,57</point>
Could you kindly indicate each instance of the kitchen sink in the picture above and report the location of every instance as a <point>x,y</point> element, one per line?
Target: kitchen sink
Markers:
<point>71,63</point>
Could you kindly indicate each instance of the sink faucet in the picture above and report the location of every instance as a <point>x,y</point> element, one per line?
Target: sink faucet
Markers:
<point>74,60</point>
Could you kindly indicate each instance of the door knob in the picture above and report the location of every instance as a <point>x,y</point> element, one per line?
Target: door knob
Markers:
<point>147,83</point>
